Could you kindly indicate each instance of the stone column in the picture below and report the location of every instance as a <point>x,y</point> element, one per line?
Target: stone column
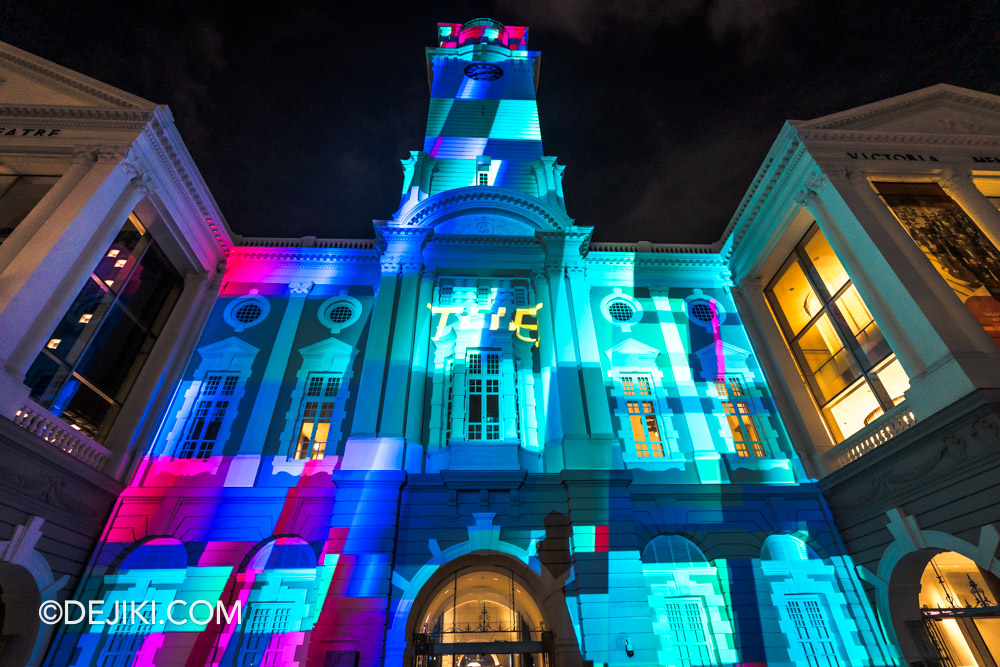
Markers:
<point>394,401</point>
<point>271,381</point>
<point>549,399</point>
<point>134,425</point>
<point>419,358</point>
<point>941,345</point>
<point>36,289</point>
<point>816,200</point>
<point>594,388</point>
<point>363,450</point>
<point>959,186</point>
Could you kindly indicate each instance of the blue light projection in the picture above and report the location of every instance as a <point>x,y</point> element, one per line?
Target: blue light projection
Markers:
<point>479,397</point>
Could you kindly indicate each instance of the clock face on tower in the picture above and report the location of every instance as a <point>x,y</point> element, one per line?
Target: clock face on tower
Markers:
<point>483,72</point>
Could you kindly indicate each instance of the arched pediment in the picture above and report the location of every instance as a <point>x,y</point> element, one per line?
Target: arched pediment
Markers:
<point>455,208</point>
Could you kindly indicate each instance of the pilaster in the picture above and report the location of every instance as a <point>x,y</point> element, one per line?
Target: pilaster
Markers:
<point>271,381</point>
<point>418,360</point>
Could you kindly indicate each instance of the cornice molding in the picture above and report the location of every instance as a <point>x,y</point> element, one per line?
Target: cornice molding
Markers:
<point>185,183</point>
<point>81,116</point>
<point>854,137</point>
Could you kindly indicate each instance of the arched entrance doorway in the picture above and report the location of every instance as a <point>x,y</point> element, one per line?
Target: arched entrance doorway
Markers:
<point>481,616</point>
<point>960,612</point>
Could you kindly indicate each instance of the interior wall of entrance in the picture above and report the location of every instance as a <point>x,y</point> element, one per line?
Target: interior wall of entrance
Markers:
<point>472,604</point>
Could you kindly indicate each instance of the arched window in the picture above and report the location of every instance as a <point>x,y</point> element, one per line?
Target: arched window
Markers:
<point>282,604</point>
<point>152,573</point>
<point>673,549</point>
<point>801,591</point>
<point>683,586</point>
<point>785,548</point>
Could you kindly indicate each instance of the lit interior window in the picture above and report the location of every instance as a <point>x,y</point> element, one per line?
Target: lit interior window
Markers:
<point>53,343</point>
<point>109,282</point>
<point>847,363</point>
<point>120,263</point>
<point>85,318</point>
<point>113,253</point>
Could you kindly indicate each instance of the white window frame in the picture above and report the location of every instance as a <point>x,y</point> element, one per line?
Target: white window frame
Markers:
<point>229,356</point>
<point>330,357</point>
<point>802,627</point>
<point>324,400</point>
<point>688,653</point>
<point>739,405</point>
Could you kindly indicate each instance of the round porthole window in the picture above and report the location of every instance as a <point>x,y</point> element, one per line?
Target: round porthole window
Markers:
<point>339,312</point>
<point>704,311</point>
<point>621,310</point>
<point>246,311</point>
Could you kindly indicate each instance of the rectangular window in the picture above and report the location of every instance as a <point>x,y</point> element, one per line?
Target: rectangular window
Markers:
<point>261,641</point>
<point>123,644</point>
<point>483,378</point>
<point>317,412</point>
<point>483,294</point>
<point>446,295</point>
<point>641,406</point>
<point>483,178</point>
<point>89,363</point>
<point>960,252</point>
<point>202,430</point>
<point>739,414</point>
<point>812,633</point>
<point>686,633</point>
<point>847,363</point>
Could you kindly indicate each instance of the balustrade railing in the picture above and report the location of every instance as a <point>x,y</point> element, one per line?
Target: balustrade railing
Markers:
<point>36,419</point>
<point>879,432</point>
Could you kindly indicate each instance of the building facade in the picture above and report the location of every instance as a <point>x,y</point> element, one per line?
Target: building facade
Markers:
<point>481,438</point>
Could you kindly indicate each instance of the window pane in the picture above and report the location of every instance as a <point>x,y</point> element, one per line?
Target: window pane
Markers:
<point>116,354</point>
<point>849,412</point>
<point>152,290</point>
<point>963,256</point>
<point>18,200</point>
<point>825,262</point>
<point>828,367</point>
<point>81,321</point>
<point>475,407</point>
<point>854,315</point>
<point>85,408</point>
<point>44,378</point>
<point>795,298</point>
<point>117,262</point>
<point>638,433</point>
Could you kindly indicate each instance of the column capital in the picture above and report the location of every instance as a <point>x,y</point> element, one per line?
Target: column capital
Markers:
<point>957,179</point>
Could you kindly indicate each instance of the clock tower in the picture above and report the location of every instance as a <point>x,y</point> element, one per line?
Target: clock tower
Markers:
<point>482,123</point>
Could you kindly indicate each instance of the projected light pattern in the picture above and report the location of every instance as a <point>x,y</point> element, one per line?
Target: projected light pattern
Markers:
<point>486,412</point>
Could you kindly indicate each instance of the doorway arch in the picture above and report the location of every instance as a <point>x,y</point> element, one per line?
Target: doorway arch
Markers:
<point>494,598</point>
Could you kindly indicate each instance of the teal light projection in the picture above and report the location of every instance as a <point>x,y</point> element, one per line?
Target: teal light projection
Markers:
<point>575,440</point>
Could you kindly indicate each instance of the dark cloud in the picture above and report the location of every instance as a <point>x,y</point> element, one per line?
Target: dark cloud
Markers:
<point>661,111</point>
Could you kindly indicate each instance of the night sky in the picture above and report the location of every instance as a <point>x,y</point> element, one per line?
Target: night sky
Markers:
<point>298,113</point>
